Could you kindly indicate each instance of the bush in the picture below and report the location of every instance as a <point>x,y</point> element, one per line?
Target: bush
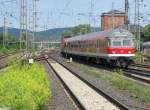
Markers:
<point>3,50</point>
<point>24,87</point>
<point>137,56</point>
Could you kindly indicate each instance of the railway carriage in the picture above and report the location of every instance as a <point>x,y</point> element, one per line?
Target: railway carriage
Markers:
<point>146,48</point>
<point>113,47</point>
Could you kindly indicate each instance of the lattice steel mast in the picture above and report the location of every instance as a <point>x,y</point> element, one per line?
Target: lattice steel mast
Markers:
<point>23,23</point>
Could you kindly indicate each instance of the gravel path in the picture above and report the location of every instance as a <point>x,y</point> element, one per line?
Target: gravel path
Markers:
<point>120,95</point>
<point>60,99</point>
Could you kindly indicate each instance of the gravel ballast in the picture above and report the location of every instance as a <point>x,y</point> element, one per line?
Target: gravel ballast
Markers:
<point>121,95</point>
<point>60,100</point>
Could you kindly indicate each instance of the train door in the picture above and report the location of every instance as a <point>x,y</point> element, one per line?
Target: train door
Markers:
<point>98,47</point>
<point>87,46</point>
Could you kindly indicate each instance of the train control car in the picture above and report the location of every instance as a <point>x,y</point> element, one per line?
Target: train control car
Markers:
<point>114,47</point>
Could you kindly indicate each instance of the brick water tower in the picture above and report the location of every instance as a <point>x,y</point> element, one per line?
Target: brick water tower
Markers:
<point>113,19</point>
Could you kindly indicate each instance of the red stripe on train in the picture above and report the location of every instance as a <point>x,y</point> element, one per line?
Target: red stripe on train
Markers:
<point>121,50</point>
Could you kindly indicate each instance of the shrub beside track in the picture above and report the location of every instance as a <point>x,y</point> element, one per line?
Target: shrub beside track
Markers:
<point>24,87</point>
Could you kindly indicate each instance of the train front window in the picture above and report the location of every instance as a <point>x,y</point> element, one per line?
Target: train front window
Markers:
<point>121,42</point>
<point>116,43</point>
<point>127,42</point>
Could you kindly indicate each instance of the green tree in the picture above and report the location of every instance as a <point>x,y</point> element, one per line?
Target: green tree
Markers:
<point>146,33</point>
<point>81,29</point>
<point>23,37</point>
<point>67,34</point>
<point>11,38</point>
<point>1,38</point>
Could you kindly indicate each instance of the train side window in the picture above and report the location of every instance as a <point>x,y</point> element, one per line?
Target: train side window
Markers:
<point>90,44</point>
<point>83,44</point>
<point>93,44</point>
<point>97,44</point>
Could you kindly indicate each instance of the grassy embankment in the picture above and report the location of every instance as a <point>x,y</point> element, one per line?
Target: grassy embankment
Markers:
<point>4,50</point>
<point>119,81</point>
<point>24,87</point>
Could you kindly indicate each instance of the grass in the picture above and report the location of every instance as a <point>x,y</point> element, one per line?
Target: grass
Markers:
<point>24,87</point>
<point>117,80</point>
<point>137,56</point>
<point>5,50</point>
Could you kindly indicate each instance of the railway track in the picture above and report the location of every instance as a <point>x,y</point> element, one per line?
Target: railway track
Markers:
<point>141,65</point>
<point>7,55</point>
<point>140,75</point>
<point>139,71</point>
<point>3,59</point>
<point>88,97</point>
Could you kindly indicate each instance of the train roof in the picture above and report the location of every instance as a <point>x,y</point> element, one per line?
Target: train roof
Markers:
<point>101,35</point>
<point>146,43</point>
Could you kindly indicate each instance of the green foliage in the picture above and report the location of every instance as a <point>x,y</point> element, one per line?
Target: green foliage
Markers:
<point>81,29</point>
<point>137,56</point>
<point>146,33</point>
<point>67,34</point>
<point>3,50</point>
<point>138,91</point>
<point>24,37</point>
<point>8,46</point>
<point>9,38</point>
<point>24,87</point>
<point>6,50</point>
<point>78,30</point>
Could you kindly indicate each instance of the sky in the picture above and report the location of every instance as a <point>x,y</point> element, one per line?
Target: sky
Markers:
<point>68,13</point>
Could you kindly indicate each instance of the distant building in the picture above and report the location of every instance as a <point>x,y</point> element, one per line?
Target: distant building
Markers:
<point>112,19</point>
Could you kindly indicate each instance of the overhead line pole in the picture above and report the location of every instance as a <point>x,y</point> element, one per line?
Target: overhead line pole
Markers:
<point>127,12</point>
<point>139,29</point>
<point>113,19</point>
<point>4,31</point>
<point>23,23</point>
<point>34,22</point>
<point>33,40</point>
<point>5,28</point>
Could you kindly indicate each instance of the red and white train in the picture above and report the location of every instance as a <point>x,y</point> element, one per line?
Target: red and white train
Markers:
<point>114,47</point>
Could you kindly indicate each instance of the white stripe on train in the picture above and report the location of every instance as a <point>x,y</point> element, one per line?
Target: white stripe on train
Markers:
<point>99,55</point>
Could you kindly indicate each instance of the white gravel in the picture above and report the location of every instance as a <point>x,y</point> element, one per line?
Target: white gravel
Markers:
<point>89,98</point>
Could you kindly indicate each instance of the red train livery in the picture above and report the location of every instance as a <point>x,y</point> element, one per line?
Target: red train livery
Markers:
<point>114,47</point>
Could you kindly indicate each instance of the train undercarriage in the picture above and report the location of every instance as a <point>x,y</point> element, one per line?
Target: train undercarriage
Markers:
<point>118,62</point>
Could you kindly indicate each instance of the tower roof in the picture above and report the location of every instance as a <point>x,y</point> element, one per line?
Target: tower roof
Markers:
<point>115,12</point>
